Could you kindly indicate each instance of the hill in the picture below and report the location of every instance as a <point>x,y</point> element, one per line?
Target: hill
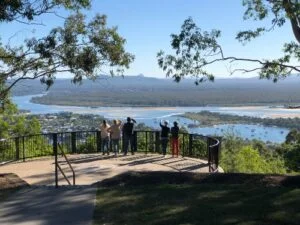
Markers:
<point>147,91</point>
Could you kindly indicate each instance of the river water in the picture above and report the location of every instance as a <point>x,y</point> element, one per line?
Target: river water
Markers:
<point>152,115</point>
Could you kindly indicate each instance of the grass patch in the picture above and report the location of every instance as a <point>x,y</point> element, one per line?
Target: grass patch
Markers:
<point>190,201</point>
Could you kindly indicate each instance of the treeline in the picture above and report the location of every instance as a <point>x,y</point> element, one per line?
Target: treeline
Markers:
<point>207,118</point>
<point>145,91</point>
<point>240,156</point>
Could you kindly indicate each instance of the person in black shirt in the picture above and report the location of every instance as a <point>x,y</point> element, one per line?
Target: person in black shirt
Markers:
<point>128,135</point>
<point>174,139</point>
<point>164,136</point>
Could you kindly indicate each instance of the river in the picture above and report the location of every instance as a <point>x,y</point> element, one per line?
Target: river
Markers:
<point>152,115</point>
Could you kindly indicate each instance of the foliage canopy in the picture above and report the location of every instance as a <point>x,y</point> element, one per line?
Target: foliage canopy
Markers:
<point>80,47</point>
<point>196,50</point>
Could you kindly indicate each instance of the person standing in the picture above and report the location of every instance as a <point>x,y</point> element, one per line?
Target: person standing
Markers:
<point>128,137</point>
<point>164,136</point>
<point>115,135</point>
<point>105,137</point>
<point>174,139</point>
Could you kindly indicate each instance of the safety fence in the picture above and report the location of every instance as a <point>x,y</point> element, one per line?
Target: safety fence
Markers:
<point>80,142</point>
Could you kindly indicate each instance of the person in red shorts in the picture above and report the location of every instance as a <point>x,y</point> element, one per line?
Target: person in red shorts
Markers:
<point>174,139</point>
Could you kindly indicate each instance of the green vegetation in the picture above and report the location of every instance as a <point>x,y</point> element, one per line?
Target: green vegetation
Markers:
<point>240,156</point>
<point>88,146</point>
<point>145,91</point>
<point>178,198</point>
<point>244,156</point>
<point>207,118</point>
<point>79,47</point>
<point>13,124</point>
<point>197,51</point>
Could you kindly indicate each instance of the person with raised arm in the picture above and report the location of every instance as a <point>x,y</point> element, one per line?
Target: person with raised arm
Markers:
<point>164,136</point>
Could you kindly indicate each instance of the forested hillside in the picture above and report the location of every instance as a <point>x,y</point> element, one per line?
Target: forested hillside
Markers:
<point>145,91</point>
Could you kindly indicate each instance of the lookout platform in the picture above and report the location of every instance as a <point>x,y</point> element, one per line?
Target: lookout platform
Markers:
<point>92,168</point>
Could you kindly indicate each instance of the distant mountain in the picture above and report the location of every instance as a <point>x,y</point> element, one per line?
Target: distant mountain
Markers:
<point>149,91</point>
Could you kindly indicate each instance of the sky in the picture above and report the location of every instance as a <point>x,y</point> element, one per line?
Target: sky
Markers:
<point>147,25</point>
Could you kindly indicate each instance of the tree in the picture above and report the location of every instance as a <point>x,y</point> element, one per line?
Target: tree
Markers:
<point>292,157</point>
<point>292,137</point>
<point>80,47</point>
<point>14,124</point>
<point>196,50</point>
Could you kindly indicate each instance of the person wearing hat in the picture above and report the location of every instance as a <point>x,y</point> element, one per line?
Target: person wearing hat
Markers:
<point>164,136</point>
<point>128,135</point>
<point>174,139</point>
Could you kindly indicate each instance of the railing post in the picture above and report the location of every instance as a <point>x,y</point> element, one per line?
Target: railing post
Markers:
<point>17,139</point>
<point>209,153</point>
<point>146,142</point>
<point>23,145</point>
<point>73,142</point>
<point>55,157</point>
<point>157,141</point>
<point>190,144</point>
<point>134,141</point>
<point>218,151</point>
<point>110,144</point>
<point>98,140</point>
<point>183,145</point>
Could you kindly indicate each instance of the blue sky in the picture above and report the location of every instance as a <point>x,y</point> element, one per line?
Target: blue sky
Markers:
<point>147,26</point>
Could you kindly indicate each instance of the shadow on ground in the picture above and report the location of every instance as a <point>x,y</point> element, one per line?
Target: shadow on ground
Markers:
<point>159,198</point>
<point>144,178</point>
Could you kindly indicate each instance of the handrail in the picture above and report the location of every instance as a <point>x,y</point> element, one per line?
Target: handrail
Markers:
<point>212,159</point>
<point>67,160</point>
<point>62,172</point>
<point>29,146</point>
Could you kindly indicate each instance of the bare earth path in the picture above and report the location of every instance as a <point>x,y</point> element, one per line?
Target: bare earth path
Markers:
<point>42,204</point>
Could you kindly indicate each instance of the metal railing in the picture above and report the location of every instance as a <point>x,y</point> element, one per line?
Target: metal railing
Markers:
<point>22,148</point>
<point>57,166</point>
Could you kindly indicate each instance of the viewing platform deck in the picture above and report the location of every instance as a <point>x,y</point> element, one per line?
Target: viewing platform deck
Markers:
<point>92,168</point>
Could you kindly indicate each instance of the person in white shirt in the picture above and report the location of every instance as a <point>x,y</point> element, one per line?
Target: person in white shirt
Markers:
<point>105,137</point>
<point>115,135</point>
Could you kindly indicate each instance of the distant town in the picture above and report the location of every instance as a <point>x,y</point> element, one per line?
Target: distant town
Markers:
<point>68,122</point>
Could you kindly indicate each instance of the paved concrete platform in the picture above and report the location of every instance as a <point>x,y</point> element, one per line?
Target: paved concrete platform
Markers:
<point>42,204</point>
<point>92,168</point>
<point>48,206</point>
